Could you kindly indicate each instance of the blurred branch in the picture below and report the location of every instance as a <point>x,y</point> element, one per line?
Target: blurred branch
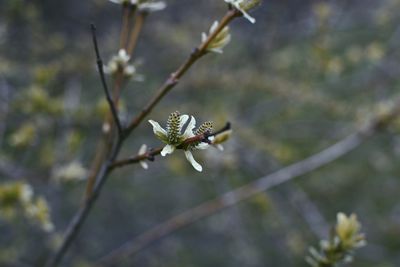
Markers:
<point>104,82</point>
<point>128,10</point>
<point>104,167</point>
<point>137,28</point>
<point>242,193</point>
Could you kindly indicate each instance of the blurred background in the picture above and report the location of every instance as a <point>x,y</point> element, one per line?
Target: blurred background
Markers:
<point>306,75</point>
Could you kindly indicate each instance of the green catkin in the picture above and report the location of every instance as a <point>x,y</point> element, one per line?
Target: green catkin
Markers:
<point>205,127</point>
<point>173,130</point>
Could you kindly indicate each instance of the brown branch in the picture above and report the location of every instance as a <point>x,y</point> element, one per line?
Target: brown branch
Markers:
<point>174,77</point>
<point>136,159</point>
<point>137,28</point>
<point>128,11</point>
<point>259,185</point>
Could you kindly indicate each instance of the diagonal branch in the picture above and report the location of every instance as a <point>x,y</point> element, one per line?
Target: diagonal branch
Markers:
<point>174,77</point>
<point>104,82</point>
<point>264,183</point>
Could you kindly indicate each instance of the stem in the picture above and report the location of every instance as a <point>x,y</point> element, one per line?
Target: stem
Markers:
<point>136,159</point>
<point>139,22</point>
<point>127,12</point>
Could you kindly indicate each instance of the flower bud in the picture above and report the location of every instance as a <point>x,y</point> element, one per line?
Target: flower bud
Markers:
<point>220,41</point>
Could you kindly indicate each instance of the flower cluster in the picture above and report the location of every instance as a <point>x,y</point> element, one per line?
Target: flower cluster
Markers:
<point>143,5</point>
<point>341,245</point>
<point>119,63</point>
<point>175,137</point>
<point>220,41</point>
<point>19,196</point>
<point>71,172</point>
<point>244,6</point>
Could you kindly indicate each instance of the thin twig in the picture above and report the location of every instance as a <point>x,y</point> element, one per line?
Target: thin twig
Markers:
<point>260,185</point>
<point>104,82</point>
<point>128,11</point>
<point>136,159</point>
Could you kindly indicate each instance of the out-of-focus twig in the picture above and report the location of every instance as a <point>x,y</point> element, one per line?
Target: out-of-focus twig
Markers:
<point>137,28</point>
<point>233,197</point>
<point>128,10</point>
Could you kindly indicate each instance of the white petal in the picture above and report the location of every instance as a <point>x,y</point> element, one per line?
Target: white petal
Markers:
<point>123,55</point>
<point>203,37</point>
<point>214,26</point>
<point>248,17</point>
<point>236,4</point>
<point>217,50</point>
<point>220,147</point>
<point>144,164</point>
<point>189,157</point>
<point>129,70</point>
<point>184,118</point>
<point>151,7</point>
<point>189,129</point>
<point>157,129</point>
<point>202,145</point>
<point>143,149</point>
<point>168,149</point>
<point>341,218</point>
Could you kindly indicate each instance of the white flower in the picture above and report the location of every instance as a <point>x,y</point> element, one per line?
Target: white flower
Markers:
<point>348,230</point>
<point>143,163</point>
<point>121,62</point>
<point>220,41</point>
<point>174,136</point>
<point>244,6</point>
